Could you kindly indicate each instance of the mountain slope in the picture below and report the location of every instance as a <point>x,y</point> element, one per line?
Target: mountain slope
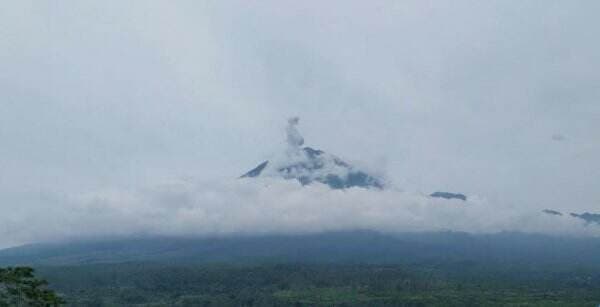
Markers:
<point>308,165</point>
<point>332,247</point>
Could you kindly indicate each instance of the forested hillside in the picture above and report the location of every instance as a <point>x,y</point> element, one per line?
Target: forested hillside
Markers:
<point>425,284</point>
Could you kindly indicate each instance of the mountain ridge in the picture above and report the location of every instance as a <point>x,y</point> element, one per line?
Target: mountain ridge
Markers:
<point>359,246</point>
<point>309,165</point>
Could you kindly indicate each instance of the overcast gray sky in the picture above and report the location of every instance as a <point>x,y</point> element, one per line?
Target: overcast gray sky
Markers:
<point>497,99</point>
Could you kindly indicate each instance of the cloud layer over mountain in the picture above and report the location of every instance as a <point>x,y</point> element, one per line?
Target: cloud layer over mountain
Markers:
<point>266,205</point>
<point>491,98</point>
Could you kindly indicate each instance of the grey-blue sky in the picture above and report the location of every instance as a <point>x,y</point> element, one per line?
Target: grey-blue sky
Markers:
<point>463,96</point>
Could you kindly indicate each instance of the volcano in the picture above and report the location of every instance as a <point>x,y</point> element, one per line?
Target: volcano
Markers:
<point>309,165</point>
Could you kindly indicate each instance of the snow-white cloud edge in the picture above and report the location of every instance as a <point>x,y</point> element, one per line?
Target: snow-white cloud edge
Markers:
<point>268,206</point>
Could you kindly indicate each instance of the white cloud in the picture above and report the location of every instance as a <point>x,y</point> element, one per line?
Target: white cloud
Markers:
<point>268,205</point>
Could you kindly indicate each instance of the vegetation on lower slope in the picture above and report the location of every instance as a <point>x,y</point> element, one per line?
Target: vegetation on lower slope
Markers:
<point>20,287</point>
<point>450,284</point>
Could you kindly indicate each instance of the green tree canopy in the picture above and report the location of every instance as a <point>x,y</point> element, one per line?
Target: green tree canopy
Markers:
<point>20,287</point>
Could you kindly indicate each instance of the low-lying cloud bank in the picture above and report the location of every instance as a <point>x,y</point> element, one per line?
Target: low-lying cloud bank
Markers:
<point>267,205</point>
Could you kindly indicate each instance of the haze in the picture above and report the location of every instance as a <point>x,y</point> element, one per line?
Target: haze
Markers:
<point>104,104</point>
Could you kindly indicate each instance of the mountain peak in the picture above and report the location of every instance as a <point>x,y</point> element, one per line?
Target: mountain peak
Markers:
<point>308,165</point>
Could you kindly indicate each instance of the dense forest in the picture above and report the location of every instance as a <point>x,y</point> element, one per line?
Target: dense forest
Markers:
<point>332,269</point>
<point>424,284</point>
<point>20,287</point>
